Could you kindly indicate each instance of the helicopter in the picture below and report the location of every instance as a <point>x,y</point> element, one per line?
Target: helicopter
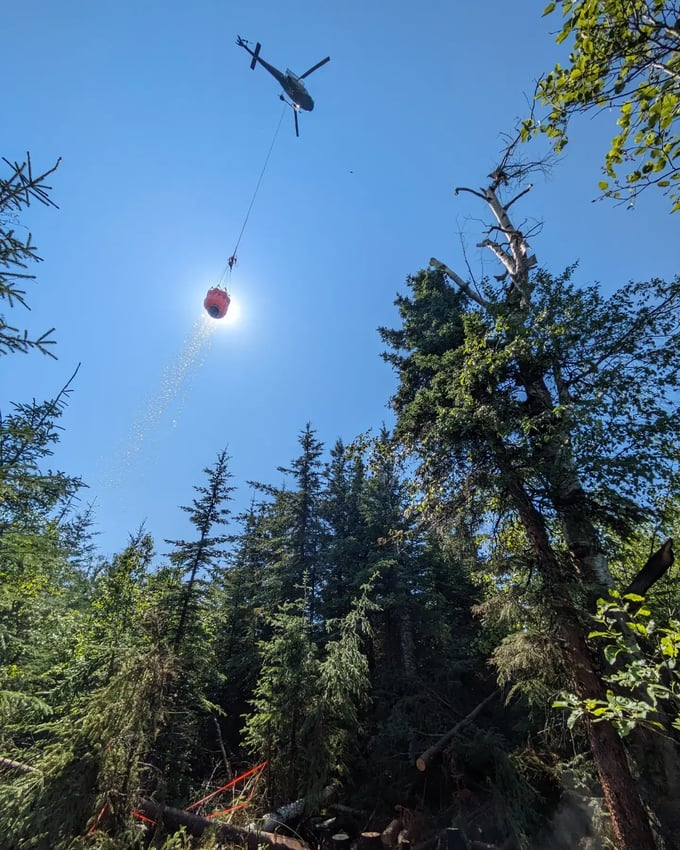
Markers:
<point>290,82</point>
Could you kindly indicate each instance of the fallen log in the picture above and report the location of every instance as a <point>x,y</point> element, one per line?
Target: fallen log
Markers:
<point>195,825</point>
<point>291,812</point>
<point>423,761</point>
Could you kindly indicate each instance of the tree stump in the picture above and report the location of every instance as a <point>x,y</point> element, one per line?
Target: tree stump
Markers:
<point>339,841</point>
<point>369,841</point>
<point>390,834</point>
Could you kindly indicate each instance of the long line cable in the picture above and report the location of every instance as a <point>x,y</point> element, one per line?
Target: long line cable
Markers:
<point>228,267</point>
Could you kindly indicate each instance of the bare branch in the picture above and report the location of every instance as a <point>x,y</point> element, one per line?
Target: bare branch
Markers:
<point>460,189</point>
<point>517,197</point>
<point>463,285</point>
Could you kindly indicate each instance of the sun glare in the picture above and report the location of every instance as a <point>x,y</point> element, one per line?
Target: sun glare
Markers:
<point>233,313</point>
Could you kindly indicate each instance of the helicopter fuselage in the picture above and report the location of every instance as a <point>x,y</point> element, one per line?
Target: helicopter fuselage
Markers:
<point>293,87</point>
<point>289,82</point>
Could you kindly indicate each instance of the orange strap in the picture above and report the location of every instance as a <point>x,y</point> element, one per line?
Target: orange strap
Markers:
<point>230,809</point>
<point>241,805</point>
<point>256,769</point>
<point>101,814</point>
<point>140,816</point>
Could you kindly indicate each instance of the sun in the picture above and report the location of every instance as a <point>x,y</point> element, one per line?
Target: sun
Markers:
<point>233,313</point>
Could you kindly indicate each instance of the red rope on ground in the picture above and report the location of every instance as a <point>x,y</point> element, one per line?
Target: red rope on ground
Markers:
<point>230,809</point>
<point>247,802</point>
<point>258,767</point>
<point>140,816</point>
<point>101,814</point>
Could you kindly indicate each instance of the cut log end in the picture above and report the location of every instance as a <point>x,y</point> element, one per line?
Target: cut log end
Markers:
<point>369,841</point>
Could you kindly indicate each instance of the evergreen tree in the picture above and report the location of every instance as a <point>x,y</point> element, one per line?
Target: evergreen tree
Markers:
<point>305,716</point>
<point>348,545</point>
<point>557,405</point>
<point>296,532</point>
<point>239,599</point>
<point>283,699</point>
<point>392,562</point>
<point>17,252</point>
<point>186,745</point>
<point>105,684</point>
<point>196,559</point>
<point>35,545</point>
<point>39,576</point>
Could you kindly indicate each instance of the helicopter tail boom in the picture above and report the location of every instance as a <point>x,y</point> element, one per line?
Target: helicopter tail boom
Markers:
<point>256,54</point>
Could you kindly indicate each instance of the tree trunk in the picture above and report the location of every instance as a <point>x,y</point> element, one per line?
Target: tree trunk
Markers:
<point>553,449</point>
<point>408,648</point>
<point>389,835</point>
<point>629,819</point>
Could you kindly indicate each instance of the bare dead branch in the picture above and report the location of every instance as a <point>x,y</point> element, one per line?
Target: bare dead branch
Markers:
<point>460,189</point>
<point>520,195</point>
<point>463,285</point>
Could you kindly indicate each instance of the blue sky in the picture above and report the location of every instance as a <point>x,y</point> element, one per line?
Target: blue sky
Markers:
<point>164,129</point>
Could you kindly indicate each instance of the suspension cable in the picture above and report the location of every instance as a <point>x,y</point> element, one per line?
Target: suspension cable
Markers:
<point>232,260</point>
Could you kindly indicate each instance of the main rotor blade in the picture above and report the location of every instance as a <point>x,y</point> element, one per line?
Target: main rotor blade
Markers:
<point>297,128</point>
<point>314,68</point>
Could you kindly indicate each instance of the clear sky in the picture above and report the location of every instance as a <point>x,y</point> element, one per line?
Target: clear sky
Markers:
<point>164,130</point>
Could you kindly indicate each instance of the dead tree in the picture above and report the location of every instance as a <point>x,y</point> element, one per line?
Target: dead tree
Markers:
<point>587,565</point>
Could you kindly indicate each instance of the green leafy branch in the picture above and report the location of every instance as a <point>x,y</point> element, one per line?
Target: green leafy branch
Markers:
<point>623,57</point>
<point>640,684</point>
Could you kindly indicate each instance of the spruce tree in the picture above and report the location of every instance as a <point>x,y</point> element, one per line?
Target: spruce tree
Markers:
<point>196,559</point>
<point>240,596</point>
<point>341,510</point>
<point>17,252</point>
<point>283,700</point>
<point>296,532</point>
